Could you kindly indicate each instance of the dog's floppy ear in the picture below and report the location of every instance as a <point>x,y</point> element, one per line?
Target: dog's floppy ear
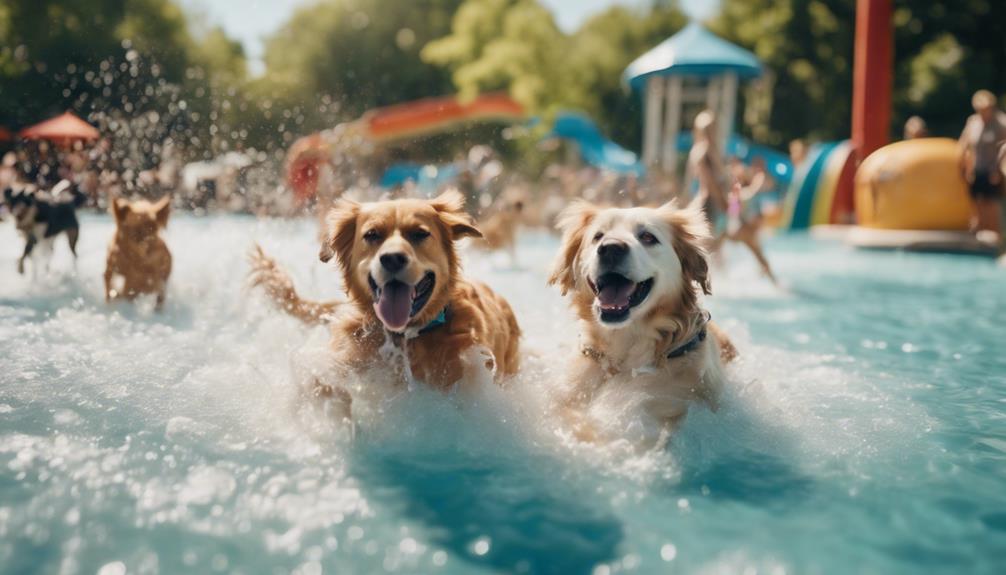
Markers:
<point>689,236</point>
<point>450,205</point>
<point>340,229</point>
<point>163,208</point>
<point>572,222</point>
<point>120,208</point>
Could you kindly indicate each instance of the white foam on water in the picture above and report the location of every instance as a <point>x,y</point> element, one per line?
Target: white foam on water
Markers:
<point>220,373</point>
<point>249,355</point>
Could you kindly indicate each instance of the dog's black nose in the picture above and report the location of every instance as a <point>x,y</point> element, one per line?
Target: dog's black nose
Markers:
<point>394,262</point>
<point>612,252</point>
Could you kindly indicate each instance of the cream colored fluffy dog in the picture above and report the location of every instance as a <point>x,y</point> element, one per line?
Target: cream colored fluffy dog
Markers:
<point>634,277</point>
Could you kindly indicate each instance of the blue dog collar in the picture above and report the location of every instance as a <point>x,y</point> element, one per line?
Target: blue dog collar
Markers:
<point>436,322</point>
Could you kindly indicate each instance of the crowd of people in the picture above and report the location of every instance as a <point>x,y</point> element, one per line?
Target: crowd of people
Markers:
<point>736,196</point>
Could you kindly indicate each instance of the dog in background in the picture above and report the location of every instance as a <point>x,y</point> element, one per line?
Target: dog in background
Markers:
<point>634,277</point>
<point>41,217</point>
<point>403,278</point>
<point>139,261</point>
<point>499,228</point>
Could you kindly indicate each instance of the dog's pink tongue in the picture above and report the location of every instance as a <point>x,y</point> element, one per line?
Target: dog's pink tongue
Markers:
<point>615,296</point>
<point>394,306</point>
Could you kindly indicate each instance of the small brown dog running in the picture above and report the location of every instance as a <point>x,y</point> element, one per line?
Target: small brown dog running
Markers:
<point>139,261</point>
<point>402,276</point>
<point>499,229</point>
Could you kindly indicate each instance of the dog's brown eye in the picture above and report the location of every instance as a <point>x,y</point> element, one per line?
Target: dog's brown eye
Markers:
<point>372,236</point>
<point>648,239</point>
<point>598,236</point>
<point>416,236</point>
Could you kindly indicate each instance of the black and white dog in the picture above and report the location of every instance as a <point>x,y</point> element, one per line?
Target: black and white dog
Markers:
<point>40,216</point>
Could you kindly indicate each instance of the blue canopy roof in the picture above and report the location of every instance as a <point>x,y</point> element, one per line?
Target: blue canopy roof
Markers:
<point>595,149</point>
<point>694,51</point>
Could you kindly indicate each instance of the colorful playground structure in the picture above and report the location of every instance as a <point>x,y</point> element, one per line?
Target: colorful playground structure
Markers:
<point>812,192</point>
<point>690,71</point>
<point>909,185</point>
<point>905,195</point>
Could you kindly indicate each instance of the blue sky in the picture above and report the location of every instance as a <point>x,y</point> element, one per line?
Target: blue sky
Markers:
<point>251,20</point>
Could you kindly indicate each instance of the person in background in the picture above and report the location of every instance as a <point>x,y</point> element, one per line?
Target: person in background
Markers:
<point>8,170</point>
<point>915,127</point>
<point>706,166</point>
<point>984,133</point>
<point>797,152</point>
<point>728,207</point>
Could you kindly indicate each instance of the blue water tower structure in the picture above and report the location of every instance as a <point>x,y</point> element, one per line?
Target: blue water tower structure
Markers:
<point>692,68</point>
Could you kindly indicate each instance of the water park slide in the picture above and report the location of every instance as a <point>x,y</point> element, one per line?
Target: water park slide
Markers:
<point>435,115</point>
<point>382,126</point>
<point>813,188</point>
<point>594,148</point>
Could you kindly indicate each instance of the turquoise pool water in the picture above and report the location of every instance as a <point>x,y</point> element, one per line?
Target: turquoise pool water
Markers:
<point>864,432</point>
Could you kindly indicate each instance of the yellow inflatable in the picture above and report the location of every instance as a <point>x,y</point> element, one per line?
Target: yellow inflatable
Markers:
<point>913,185</point>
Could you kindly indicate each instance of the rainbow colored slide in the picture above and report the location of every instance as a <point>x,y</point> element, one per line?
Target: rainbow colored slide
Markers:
<point>812,192</point>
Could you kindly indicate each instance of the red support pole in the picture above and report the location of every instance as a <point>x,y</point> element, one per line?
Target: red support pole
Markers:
<point>871,98</point>
<point>871,101</point>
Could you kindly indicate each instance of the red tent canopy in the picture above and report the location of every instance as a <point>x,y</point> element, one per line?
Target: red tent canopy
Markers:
<point>62,129</point>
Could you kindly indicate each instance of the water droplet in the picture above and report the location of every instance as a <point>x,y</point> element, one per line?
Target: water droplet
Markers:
<point>668,552</point>
<point>113,568</point>
<point>481,546</point>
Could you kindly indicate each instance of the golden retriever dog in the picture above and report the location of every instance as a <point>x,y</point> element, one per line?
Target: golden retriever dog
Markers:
<point>499,228</point>
<point>634,277</point>
<point>139,261</point>
<point>403,280</point>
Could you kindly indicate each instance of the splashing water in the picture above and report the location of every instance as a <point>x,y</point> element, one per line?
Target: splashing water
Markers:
<point>861,432</point>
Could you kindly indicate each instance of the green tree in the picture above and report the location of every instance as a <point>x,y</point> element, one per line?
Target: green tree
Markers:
<point>943,51</point>
<point>808,47</point>
<point>603,47</point>
<point>514,45</point>
<point>511,45</point>
<point>359,53</point>
<point>133,67</point>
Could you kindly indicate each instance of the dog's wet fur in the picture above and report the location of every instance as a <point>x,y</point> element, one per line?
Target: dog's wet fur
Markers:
<point>139,262</point>
<point>403,280</point>
<point>634,276</point>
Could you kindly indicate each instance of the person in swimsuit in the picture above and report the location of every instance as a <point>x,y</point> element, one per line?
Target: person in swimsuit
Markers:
<point>722,201</point>
<point>980,142</point>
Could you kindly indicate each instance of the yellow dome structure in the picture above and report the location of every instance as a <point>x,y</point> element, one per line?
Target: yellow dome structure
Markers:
<point>913,185</point>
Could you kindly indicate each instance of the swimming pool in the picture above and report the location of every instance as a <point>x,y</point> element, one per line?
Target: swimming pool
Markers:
<point>865,429</point>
